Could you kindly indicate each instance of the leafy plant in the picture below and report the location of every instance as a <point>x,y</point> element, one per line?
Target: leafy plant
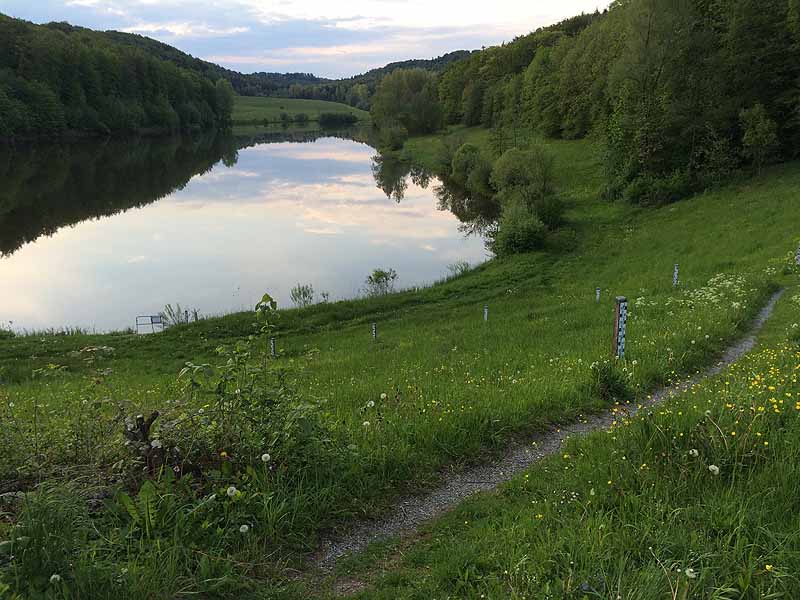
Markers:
<point>380,282</point>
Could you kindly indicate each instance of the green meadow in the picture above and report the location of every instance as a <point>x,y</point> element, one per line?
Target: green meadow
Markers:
<point>249,110</point>
<point>216,507</point>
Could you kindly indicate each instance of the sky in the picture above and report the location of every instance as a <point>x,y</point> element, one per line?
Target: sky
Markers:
<point>329,38</point>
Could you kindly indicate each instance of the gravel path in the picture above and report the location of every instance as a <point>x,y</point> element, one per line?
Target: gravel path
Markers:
<point>412,511</point>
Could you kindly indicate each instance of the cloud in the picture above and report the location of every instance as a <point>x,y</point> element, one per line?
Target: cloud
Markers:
<point>330,39</point>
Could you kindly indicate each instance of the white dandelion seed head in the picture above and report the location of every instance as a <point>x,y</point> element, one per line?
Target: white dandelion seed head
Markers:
<point>370,404</point>
<point>693,452</point>
<point>244,529</point>
<point>232,491</point>
<point>365,424</point>
<point>55,578</point>
<point>265,458</point>
<point>384,396</point>
<point>690,573</point>
<point>714,469</point>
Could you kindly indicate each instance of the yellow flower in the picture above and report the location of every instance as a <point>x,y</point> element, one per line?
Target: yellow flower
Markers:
<point>768,567</point>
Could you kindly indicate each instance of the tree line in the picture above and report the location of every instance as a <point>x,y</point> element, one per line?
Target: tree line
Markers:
<point>680,93</point>
<point>57,78</point>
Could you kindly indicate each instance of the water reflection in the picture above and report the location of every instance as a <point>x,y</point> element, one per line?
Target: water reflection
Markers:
<point>218,220</point>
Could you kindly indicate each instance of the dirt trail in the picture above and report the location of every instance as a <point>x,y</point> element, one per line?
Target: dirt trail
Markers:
<point>412,511</point>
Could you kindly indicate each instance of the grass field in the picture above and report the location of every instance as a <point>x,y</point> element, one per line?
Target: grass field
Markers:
<point>439,386</point>
<point>695,499</point>
<point>249,110</point>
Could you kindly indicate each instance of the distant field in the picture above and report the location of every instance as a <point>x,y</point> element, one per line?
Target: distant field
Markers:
<point>249,110</point>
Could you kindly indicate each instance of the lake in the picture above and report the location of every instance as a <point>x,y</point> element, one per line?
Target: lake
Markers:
<point>94,234</point>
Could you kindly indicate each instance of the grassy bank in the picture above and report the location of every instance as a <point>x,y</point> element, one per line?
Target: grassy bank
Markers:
<point>249,110</point>
<point>439,386</point>
<point>696,498</point>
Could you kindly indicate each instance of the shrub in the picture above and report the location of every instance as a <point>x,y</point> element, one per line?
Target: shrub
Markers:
<point>532,169</point>
<point>519,230</point>
<point>649,190</point>
<point>301,118</point>
<point>760,138</point>
<point>380,282</point>
<point>393,136</point>
<point>302,295</point>
<point>337,119</point>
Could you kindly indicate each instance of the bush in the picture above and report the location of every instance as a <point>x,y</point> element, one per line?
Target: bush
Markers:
<point>532,169</point>
<point>380,282</point>
<point>301,118</point>
<point>337,119</point>
<point>648,190</point>
<point>472,171</point>
<point>519,230</point>
<point>393,136</point>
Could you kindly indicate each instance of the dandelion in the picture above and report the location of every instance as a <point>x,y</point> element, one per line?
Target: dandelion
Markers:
<point>155,444</point>
<point>690,573</point>
<point>232,491</point>
<point>714,469</point>
<point>265,458</point>
<point>55,578</point>
<point>244,529</point>
<point>384,396</point>
<point>365,424</point>
<point>694,453</point>
<point>768,567</point>
<point>370,404</point>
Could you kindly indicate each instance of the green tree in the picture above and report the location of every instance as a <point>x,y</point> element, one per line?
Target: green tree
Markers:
<point>760,137</point>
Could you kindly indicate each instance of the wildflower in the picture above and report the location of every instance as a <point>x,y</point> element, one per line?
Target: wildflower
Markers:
<point>690,573</point>
<point>265,458</point>
<point>694,453</point>
<point>55,578</point>
<point>232,491</point>
<point>370,404</point>
<point>384,396</point>
<point>155,444</point>
<point>223,454</point>
<point>767,567</point>
<point>365,424</point>
<point>714,469</point>
<point>244,529</point>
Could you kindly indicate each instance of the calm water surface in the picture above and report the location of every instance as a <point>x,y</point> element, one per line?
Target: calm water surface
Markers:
<point>93,235</point>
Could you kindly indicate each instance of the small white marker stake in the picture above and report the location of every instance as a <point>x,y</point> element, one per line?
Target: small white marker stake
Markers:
<point>597,294</point>
<point>272,347</point>
<point>486,313</point>
<point>374,331</point>
<point>675,276</point>
<point>620,325</point>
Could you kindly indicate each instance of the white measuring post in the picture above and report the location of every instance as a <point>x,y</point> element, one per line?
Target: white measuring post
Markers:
<point>486,312</point>
<point>620,325</point>
<point>375,331</point>
<point>597,294</point>
<point>675,276</point>
<point>272,347</point>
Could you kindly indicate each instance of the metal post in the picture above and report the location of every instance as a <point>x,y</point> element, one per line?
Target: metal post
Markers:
<point>597,294</point>
<point>675,276</point>
<point>375,331</point>
<point>272,347</point>
<point>186,314</point>
<point>486,312</point>
<point>620,325</point>
<point>797,257</point>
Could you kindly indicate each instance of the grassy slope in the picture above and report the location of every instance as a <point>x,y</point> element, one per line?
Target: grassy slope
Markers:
<point>456,386</point>
<point>636,512</point>
<point>252,109</point>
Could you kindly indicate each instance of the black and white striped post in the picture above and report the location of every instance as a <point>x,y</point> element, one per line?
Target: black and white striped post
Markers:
<point>486,312</point>
<point>797,257</point>
<point>597,294</point>
<point>675,276</point>
<point>375,331</point>
<point>272,351</point>
<point>620,325</point>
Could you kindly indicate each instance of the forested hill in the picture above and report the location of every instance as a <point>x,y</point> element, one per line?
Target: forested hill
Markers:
<point>57,78</point>
<point>679,94</point>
